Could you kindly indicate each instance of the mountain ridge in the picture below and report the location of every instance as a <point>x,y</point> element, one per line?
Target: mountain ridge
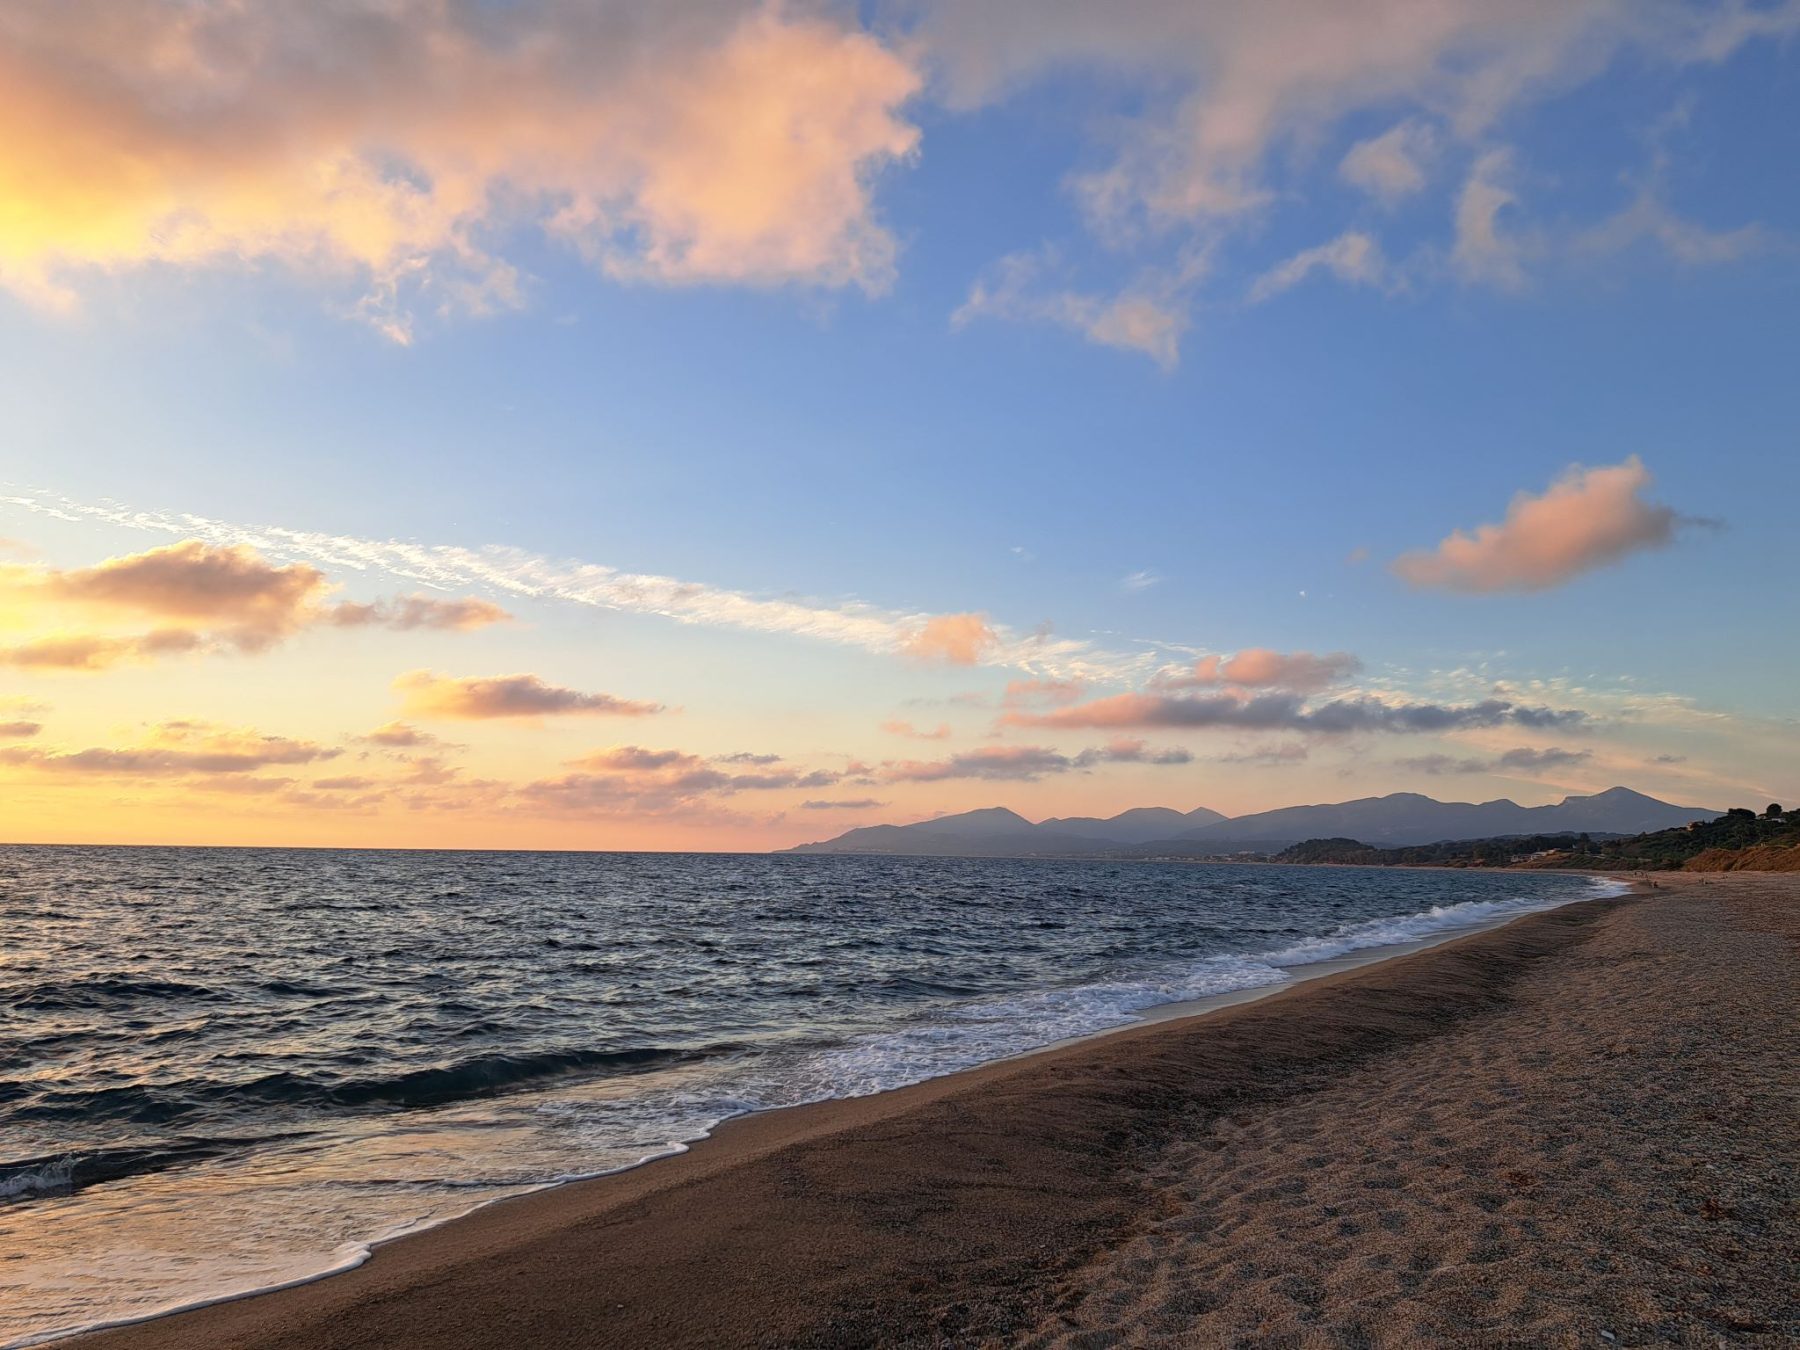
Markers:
<point>1399,818</point>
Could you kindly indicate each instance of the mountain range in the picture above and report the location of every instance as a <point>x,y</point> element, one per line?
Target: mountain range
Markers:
<point>1156,831</point>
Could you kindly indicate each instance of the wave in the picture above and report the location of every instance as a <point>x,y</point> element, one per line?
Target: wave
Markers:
<point>478,1076</point>
<point>107,991</point>
<point>32,1178</point>
<point>1402,928</point>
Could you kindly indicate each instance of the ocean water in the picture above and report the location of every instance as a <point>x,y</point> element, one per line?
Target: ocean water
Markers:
<point>231,1069</point>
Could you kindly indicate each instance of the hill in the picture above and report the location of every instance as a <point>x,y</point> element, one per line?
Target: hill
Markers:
<point>1738,840</point>
<point>1408,818</point>
<point>998,832</point>
<point>1401,819</point>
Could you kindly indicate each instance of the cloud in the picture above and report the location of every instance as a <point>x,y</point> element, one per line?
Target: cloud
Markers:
<point>1587,519</point>
<point>177,748</point>
<point>251,603</point>
<point>1139,581</point>
<point>399,734</point>
<point>1123,750</point>
<point>1246,79</point>
<point>1648,217</point>
<point>1025,763</point>
<point>393,145</point>
<point>1021,288</point>
<point>419,611</point>
<point>207,597</point>
<point>475,698</point>
<point>1522,760</point>
<point>1261,668</point>
<point>941,732</point>
<point>1354,258</point>
<point>1286,711</point>
<point>1392,165</point>
<point>1265,756</point>
<point>853,804</point>
<point>92,652</point>
<point>511,571</point>
<point>19,731</point>
<point>952,639</point>
<point>1015,763</point>
<point>351,783</point>
<point>1486,249</point>
<point>629,779</point>
<point>1444,766</point>
<point>1530,760</point>
<point>1023,693</point>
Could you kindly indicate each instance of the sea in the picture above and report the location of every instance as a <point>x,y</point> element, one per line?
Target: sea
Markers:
<point>225,1070</point>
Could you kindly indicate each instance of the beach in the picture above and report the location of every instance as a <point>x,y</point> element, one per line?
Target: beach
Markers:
<point>1579,1128</point>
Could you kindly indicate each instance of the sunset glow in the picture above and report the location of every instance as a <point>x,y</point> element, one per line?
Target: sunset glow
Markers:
<point>720,426</point>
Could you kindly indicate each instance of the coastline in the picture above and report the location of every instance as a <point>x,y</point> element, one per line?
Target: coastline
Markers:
<point>1294,973</point>
<point>841,1207</point>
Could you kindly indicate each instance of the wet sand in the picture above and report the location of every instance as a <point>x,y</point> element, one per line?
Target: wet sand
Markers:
<point>1580,1129</point>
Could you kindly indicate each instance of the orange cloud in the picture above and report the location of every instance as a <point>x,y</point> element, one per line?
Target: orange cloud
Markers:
<point>224,597</point>
<point>252,602</point>
<point>1587,519</point>
<point>399,734</point>
<point>475,698</point>
<point>393,141</point>
<point>952,639</point>
<point>19,731</point>
<point>89,652</point>
<point>1261,668</point>
<point>177,748</point>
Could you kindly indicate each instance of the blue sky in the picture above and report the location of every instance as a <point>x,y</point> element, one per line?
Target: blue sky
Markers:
<point>1583,250</point>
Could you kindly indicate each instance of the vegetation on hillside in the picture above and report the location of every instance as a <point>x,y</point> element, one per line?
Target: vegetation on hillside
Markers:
<point>1738,839</point>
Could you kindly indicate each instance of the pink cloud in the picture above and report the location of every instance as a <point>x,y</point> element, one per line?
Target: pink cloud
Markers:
<point>1261,668</point>
<point>940,732</point>
<point>1587,519</point>
<point>1022,693</point>
<point>952,639</point>
<point>392,144</point>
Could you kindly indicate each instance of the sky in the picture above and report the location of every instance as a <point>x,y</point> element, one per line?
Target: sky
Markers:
<point>541,424</point>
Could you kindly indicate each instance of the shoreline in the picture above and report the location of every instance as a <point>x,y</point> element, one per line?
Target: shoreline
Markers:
<point>753,1143</point>
<point>1297,976</point>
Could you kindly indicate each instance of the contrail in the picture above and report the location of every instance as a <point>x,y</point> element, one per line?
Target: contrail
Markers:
<point>516,571</point>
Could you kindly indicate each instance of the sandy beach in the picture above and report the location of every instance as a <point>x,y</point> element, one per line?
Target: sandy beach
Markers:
<point>1578,1129</point>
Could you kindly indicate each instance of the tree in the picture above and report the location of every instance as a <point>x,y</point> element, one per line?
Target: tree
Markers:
<point>1774,812</point>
